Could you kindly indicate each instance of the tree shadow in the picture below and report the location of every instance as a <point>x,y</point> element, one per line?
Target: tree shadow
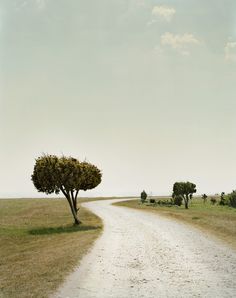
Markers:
<point>61,230</point>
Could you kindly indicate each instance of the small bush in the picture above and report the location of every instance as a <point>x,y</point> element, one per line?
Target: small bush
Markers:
<point>213,201</point>
<point>232,199</point>
<point>177,200</point>
<point>165,203</point>
<point>222,202</point>
<point>152,201</point>
<point>222,199</point>
<point>204,197</point>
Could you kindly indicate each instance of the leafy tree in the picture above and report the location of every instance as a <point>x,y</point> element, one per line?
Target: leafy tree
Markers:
<point>143,196</point>
<point>185,190</point>
<point>53,174</point>
<point>204,197</point>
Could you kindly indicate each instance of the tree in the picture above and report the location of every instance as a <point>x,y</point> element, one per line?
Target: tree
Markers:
<point>53,174</point>
<point>143,196</point>
<point>222,199</point>
<point>185,190</point>
<point>204,197</point>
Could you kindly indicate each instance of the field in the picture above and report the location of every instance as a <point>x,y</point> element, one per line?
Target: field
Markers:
<point>39,245</point>
<point>220,221</point>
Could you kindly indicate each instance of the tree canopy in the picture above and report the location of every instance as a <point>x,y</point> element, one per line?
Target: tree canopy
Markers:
<point>53,174</point>
<point>185,190</point>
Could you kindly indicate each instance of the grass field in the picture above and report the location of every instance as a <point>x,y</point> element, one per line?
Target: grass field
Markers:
<point>39,245</point>
<point>217,220</point>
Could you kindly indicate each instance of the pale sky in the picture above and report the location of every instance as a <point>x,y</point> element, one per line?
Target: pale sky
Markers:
<point>144,89</point>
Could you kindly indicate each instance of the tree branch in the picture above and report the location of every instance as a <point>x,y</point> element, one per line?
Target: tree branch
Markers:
<point>72,195</point>
<point>76,194</point>
<point>63,191</point>
<point>74,201</point>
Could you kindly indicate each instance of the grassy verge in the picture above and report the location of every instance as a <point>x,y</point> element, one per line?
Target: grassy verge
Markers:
<point>39,245</point>
<point>217,220</point>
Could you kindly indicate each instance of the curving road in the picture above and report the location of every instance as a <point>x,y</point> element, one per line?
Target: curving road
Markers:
<point>143,255</point>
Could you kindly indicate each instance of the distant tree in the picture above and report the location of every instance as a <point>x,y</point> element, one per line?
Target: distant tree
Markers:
<point>213,201</point>
<point>222,199</point>
<point>204,197</point>
<point>53,174</point>
<point>143,196</point>
<point>185,190</point>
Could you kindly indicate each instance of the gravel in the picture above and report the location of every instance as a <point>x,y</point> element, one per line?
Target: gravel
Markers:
<point>141,254</point>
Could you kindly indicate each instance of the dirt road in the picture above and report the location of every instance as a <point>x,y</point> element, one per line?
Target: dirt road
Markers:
<point>143,255</point>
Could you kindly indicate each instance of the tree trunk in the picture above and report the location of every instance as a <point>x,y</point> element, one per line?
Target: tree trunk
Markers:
<point>74,202</point>
<point>186,205</point>
<point>77,221</point>
<point>74,213</point>
<point>186,202</point>
<point>72,208</point>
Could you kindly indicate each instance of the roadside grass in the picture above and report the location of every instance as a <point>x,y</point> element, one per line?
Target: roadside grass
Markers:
<point>39,245</point>
<point>220,221</point>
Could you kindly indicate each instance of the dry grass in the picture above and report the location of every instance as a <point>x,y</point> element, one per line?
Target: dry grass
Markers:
<point>39,245</point>
<point>220,221</point>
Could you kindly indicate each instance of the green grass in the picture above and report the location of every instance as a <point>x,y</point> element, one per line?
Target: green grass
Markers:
<point>217,220</point>
<point>39,245</point>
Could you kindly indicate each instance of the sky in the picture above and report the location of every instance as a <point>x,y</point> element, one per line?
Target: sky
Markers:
<point>144,89</point>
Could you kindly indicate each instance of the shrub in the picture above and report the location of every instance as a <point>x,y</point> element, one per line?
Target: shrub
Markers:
<point>178,200</point>
<point>204,197</point>
<point>213,201</point>
<point>165,203</point>
<point>222,199</point>
<point>152,201</point>
<point>232,199</point>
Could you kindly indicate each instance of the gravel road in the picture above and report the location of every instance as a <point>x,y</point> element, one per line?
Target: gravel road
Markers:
<point>141,254</point>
